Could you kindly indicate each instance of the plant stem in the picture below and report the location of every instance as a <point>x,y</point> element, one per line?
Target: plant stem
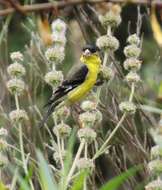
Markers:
<point>17,101</point>
<point>81,146</point>
<point>132,92</point>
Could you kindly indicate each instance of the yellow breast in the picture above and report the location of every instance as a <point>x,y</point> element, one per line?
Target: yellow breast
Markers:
<point>93,64</point>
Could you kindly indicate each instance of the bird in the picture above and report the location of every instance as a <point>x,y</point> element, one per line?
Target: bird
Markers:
<point>77,85</point>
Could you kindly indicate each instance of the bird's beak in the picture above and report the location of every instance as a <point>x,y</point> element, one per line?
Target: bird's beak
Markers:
<point>86,53</point>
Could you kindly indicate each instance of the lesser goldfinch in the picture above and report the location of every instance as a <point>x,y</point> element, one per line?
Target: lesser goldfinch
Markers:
<point>78,84</point>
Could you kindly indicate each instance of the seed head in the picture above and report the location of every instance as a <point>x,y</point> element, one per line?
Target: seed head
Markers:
<point>132,51</point>
<point>154,185</point>
<point>62,130</point>
<point>88,105</point>
<point>156,152</point>
<point>59,40</point>
<point>134,39</point>
<point>132,64</point>
<point>16,86</point>
<point>88,134</point>
<point>55,54</point>
<point>59,26</point>
<point>85,163</point>
<point>63,112</point>
<point>106,73</point>
<point>127,107</point>
<point>18,116</point>
<point>133,77</point>
<point>16,70</point>
<point>3,132</point>
<point>16,56</point>
<point>155,166</point>
<point>54,77</point>
<point>107,43</point>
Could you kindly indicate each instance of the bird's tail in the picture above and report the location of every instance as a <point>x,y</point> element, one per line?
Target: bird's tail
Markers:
<point>51,109</point>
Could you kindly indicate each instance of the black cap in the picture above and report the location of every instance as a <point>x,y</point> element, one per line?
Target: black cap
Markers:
<point>91,47</point>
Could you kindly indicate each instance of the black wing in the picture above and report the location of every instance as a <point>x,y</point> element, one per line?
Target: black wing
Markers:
<point>73,80</point>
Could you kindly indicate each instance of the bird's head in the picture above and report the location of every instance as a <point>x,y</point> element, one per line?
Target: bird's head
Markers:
<point>90,53</point>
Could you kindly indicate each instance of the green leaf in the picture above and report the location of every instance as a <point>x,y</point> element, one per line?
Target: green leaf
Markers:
<point>119,180</point>
<point>46,177</point>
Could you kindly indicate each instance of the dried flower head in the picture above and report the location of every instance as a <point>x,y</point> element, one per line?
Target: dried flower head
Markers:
<point>85,163</point>
<point>106,73</point>
<point>16,70</point>
<point>87,133</point>
<point>3,160</point>
<point>87,118</point>
<point>56,155</point>
<point>16,86</point>
<point>155,166</point>
<point>55,54</point>
<point>154,185</point>
<point>107,43</point>
<point>3,144</point>
<point>156,152</point>
<point>132,77</point>
<point>62,112</point>
<point>88,105</point>
<point>111,18</point>
<point>54,77</point>
<point>59,26</point>
<point>18,116</point>
<point>63,130</point>
<point>59,40</point>
<point>16,56</point>
<point>3,132</point>
<point>134,39</point>
<point>132,64</point>
<point>132,51</point>
<point>127,107</point>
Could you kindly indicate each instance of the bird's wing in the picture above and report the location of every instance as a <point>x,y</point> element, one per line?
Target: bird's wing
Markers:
<point>73,80</point>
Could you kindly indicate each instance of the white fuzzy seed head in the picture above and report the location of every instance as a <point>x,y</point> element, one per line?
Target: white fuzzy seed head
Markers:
<point>132,77</point>
<point>155,166</point>
<point>85,163</point>
<point>127,107</point>
<point>132,64</point>
<point>59,26</point>
<point>55,54</point>
<point>16,70</point>
<point>107,43</point>
<point>132,51</point>
<point>87,133</point>
<point>16,56</point>
<point>18,116</point>
<point>111,18</point>
<point>154,185</point>
<point>88,105</point>
<point>156,152</point>
<point>63,130</point>
<point>106,73</point>
<point>134,39</point>
<point>54,77</point>
<point>15,86</point>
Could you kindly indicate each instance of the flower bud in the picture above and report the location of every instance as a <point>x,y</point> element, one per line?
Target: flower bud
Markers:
<point>132,77</point>
<point>107,43</point>
<point>127,107</point>
<point>156,152</point>
<point>55,54</point>
<point>16,86</point>
<point>154,185</point>
<point>16,70</point>
<point>85,163</point>
<point>88,105</point>
<point>16,56</point>
<point>87,133</point>
<point>132,51</point>
<point>155,166</point>
<point>62,130</point>
<point>18,116</point>
<point>132,64</point>
<point>106,73</point>
<point>111,19</point>
<point>54,77</point>
<point>133,39</point>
